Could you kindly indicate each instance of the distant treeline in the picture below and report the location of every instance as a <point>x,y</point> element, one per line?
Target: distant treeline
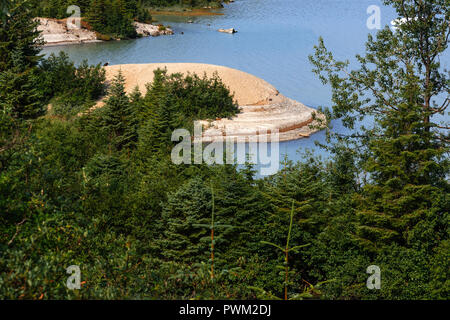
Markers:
<point>112,17</point>
<point>108,17</point>
<point>58,8</point>
<point>186,3</point>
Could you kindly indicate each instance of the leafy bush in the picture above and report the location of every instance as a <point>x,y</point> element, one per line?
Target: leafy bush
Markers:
<point>72,89</point>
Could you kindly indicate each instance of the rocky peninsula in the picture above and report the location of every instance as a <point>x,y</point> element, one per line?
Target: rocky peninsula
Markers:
<point>64,31</point>
<point>263,109</point>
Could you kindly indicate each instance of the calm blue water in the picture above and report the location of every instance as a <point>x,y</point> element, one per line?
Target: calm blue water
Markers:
<point>273,42</point>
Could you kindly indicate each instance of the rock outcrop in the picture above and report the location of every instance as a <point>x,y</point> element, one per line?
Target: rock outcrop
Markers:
<point>230,31</point>
<point>56,32</point>
<point>145,29</point>
<point>73,31</point>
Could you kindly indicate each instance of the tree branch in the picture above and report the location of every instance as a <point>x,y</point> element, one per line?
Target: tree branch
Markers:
<point>17,231</point>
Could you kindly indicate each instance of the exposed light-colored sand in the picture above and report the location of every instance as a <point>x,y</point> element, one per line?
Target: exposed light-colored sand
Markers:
<point>263,109</point>
<point>247,88</point>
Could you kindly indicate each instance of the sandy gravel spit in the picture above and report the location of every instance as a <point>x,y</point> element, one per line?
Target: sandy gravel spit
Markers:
<point>263,109</point>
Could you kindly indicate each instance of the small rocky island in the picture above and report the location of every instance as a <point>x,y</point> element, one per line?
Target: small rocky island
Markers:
<point>230,30</point>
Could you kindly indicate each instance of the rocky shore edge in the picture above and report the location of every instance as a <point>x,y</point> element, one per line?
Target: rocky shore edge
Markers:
<point>63,31</point>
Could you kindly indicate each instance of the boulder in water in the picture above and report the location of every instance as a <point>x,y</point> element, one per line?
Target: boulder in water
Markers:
<point>230,31</point>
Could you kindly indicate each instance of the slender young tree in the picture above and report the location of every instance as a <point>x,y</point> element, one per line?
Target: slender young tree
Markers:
<point>118,116</point>
<point>401,85</point>
<point>20,45</point>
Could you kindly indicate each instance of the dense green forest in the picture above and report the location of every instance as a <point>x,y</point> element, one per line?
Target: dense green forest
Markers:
<point>112,17</point>
<point>58,8</point>
<point>107,17</point>
<point>97,188</point>
<point>183,3</point>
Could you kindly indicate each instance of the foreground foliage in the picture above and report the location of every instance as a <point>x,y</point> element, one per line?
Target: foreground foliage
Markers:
<point>97,188</point>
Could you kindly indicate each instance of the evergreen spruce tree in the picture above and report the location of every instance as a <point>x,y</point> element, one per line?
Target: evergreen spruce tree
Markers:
<point>155,134</point>
<point>118,116</point>
<point>240,205</point>
<point>97,15</point>
<point>136,105</point>
<point>184,239</point>
<point>401,84</point>
<point>19,55</point>
<point>136,97</point>
<point>156,91</point>
<point>124,19</point>
<point>19,37</point>
<point>159,118</point>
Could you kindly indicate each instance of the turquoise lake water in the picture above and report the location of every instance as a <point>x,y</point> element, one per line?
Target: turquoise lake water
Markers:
<point>274,40</point>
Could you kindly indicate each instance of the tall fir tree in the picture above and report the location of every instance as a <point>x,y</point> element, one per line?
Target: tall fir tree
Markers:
<point>184,239</point>
<point>20,45</point>
<point>400,83</point>
<point>158,116</point>
<point>118,117</point>
<point>96,15</point>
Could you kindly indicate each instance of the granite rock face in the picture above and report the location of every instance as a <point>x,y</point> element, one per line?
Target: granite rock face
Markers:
<point>145,29</point>
<point>55,32</point>
<point>71,31</point>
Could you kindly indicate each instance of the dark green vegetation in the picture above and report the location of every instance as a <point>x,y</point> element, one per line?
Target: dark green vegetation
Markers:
<point>101,192</point>
<point>112,17</point>
<point>108,17</point>
<point>183,3</point>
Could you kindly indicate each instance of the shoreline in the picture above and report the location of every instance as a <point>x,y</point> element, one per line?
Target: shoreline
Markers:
<point>176,10</point>
<point>263,109</point>
<point>187,13</point>
<point>67,43</point>
<point>59,32</point>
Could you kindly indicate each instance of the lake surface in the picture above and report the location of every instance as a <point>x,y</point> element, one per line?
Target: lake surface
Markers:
<point>274,40</point>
